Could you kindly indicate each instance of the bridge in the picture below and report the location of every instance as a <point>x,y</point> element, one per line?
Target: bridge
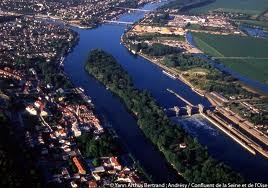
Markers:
<point>134,9</point>
<point>118,22</point>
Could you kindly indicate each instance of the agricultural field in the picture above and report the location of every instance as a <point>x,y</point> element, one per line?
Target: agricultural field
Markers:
<point>246,55</point>
<point>231,45</point>
<point>254,69</point>
<point>258,23</point>
<point>252,7</point>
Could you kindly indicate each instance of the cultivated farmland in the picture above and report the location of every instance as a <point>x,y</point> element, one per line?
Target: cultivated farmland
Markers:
<point>246,55</point>
<point>252,7</point>
<point>231,45</point>
<point>254,69</point>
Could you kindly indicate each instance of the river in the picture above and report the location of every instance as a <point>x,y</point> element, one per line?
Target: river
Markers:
<point>254,32</point>
<point>148,76</point>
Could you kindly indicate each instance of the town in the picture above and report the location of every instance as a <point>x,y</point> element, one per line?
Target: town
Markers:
<point>52,114</point>
<point>84,13</point>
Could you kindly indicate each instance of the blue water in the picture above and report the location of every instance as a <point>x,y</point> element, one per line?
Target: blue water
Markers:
<point>148,76</point>
<point>224,149</point>
<point>255,32</point>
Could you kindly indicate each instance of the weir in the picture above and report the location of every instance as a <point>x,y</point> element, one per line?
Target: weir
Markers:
<point>214,116</point>
<point>189,109</point>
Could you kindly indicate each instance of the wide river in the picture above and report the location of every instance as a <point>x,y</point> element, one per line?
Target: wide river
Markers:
<point>148,76</point>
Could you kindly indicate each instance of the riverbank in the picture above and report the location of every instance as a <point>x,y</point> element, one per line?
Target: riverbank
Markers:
<point>174,143</point>
<point>110,130</point>
<point>175,73</point>
<point>243,140</point>
<point>242,143</point>
<point>85,101</point>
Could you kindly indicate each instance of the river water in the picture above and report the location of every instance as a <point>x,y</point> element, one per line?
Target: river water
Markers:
<point>255,32</point>
<point>148,76</point>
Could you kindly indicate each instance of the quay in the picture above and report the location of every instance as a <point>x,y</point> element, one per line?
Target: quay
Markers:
<point>229,133</point>
<point>239,137</point>
<point>245,125</point>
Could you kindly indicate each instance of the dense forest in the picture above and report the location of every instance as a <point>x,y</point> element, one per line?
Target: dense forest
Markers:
<point>91,147</point>
<point>193,161</point>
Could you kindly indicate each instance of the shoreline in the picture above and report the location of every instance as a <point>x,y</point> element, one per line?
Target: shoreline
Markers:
<point>105,123</point>
<point>143,172</point>
<point>168,164</point>
<point>170,70</point>
<point>201,93</point>
<point>184,80</point>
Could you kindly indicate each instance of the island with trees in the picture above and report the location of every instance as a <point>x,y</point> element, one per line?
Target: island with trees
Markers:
<point>182,151</point>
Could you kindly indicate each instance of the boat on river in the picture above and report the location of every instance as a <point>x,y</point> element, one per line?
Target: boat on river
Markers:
<point>169,74</point>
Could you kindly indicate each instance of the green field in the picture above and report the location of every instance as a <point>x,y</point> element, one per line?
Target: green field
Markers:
<point>261,24</point>
<point>252,7</point>
<point>231,45</point>
<point>257,69</point>
<point>246,55</point>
